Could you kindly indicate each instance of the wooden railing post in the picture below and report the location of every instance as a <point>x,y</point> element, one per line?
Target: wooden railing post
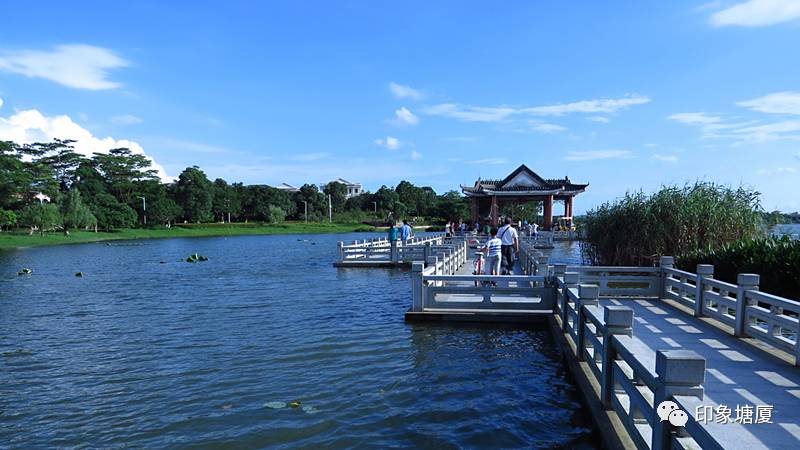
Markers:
<point>618,320</point>
<point>571,280</point>
<point>587,296</point>
<point>746,282</point>
<point>704,271</point>
<point>680,372</point>
<point>665,262</point>
<point>417,288</point>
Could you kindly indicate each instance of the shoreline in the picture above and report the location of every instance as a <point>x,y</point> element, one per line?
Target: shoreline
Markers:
<point>20,239</point>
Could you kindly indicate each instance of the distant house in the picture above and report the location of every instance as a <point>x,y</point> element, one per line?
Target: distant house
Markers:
<point>353,189</point>
<point>287,187</point>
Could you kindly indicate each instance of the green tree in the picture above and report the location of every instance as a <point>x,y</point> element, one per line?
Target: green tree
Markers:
<point>163,210</point>
<point>338,193</point>
<point>227,201</point>
<point>111,214</point>
<point>63,161</point>
<point>74,214</point>
<point>123,170</point>
<point>452,206</point>
<point>7,219</point>
<point>275,214</point>
<point>41,216</point>
<point>317,202</point>
<point>195,195</point>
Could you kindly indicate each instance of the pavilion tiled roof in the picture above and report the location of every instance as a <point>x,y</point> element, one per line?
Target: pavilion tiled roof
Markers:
<point>542,184</point>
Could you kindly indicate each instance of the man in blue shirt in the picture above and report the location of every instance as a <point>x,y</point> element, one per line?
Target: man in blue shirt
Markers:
<point>405,232</point>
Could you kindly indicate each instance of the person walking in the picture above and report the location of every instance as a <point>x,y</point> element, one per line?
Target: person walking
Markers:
<point>392,235</point>
<point>510,242</point>
<point>493,251</point>
<point>406,232</point>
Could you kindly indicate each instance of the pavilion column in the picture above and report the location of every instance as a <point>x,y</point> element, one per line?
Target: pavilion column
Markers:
<point>569,206</point>
<point>495,212</point>
<point>548,212</point>
<point>473,203</point>
<point>566,207</point>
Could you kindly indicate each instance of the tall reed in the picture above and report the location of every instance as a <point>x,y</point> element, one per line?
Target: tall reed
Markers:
<point>638,228</point>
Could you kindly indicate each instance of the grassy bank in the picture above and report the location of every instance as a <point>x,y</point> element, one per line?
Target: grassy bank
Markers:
<point>20,238</point>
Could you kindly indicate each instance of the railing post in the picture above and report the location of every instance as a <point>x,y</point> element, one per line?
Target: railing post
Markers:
<point>746,282</point>
<point>427,251</point>
<point>417,288</point>
<point>618,320</point>
<point>680,372</point>
<point>665,262</point>
<point>587,296</point>
<point>559,270</point>
<point>541,262</point>
<point>393,253</point>
<point>571,280</point>
<point>704,271</point>
<point>341,251</point>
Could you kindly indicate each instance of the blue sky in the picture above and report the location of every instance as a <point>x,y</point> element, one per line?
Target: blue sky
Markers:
<point>623,95</point>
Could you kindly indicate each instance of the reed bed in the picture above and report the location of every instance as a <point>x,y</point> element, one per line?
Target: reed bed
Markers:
<point>639,228</point>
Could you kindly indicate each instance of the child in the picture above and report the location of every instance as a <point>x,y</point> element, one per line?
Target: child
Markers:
<point>492,250</point>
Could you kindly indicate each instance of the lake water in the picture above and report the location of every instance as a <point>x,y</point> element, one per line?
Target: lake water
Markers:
<point>145,351</point>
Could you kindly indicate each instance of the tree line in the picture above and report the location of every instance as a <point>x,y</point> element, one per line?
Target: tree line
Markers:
<point>118,189</point>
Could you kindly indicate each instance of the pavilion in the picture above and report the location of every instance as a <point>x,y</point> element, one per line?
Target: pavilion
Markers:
<point>521,186</point>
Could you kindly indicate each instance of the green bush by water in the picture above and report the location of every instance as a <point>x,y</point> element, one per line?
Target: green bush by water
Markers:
<point>776,260</point>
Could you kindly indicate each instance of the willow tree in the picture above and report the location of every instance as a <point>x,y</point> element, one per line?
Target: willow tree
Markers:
<point>74,214</point>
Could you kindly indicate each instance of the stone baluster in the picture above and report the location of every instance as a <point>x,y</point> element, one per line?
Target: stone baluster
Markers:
<point>665,262</point>
<point>746,282</point>
<point>679,372</point>
<point>571,280</point>
<point>341,251</point>
<point>417,287</point>
<point>587,296</point>
<point>618,321</point>
<point>704,271</point>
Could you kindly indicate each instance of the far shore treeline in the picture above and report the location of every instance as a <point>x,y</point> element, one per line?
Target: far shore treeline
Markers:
<point>105,192</point>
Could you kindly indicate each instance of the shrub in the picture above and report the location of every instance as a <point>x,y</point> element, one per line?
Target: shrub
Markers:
<point>275,214</point>
<point>777,260</point>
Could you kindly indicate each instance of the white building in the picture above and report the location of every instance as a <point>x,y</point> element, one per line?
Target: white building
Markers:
<point>287,187</point>
<point>353,189</point>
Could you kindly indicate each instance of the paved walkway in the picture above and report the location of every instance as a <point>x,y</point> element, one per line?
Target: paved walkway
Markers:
<point>737,374</point>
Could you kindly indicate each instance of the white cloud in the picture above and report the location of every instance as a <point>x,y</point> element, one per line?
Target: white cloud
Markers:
<point>776,171</point>
<point>29,126</point>
<point>126,119</point>
<point>403,91</point>
<point>610,105</point>
<point>415,155</point>
<point>599,119</point>
<point>665,158</point>
<point>76,66</point>
<point>403,117</point>
<point>695,118</point>
<point>546,128</point>
<point>787,102</point>
<point>470,113</point>
<point>755,13</point>
<point>1,102</point>
<point>489,161</point>
<point>389,142</point>
<point>591,155</point>
<point>768,132</point>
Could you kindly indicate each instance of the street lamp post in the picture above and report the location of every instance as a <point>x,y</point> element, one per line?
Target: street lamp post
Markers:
<point>144,210</point>
<point>375,204</point>
<point>330,209</point>
<point>305,203</point>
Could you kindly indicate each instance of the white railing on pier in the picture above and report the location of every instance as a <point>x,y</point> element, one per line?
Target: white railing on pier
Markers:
<point>633,379</point>
<point>381,249</point>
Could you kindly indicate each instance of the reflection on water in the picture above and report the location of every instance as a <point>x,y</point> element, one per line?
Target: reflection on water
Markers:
<point>146,351</point>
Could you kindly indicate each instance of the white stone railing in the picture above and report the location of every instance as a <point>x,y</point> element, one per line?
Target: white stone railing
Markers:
<point>766,317</point>
<point>381,249</point>
<point>633,379</point>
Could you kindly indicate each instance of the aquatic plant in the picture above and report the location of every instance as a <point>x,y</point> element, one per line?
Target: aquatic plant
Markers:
<point>776,260</point>
<point>638,228</point>
<point>194,257</point>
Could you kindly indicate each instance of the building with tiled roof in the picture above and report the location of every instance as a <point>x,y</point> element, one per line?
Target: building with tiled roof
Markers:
<point>521,186</point>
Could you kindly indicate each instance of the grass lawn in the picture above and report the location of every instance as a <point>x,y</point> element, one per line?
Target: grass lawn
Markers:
<point>20,238</point>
